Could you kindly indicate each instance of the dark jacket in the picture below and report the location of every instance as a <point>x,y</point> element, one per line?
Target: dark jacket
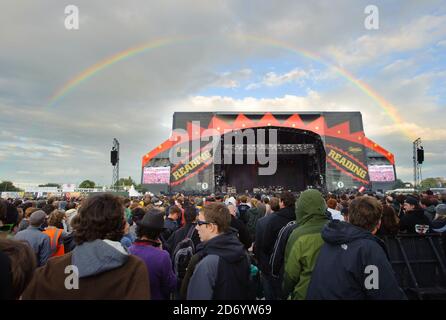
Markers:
<point>413,218</point>
<point>170,227</point>
<point>104,273</point>
<point>343,271</point>
<point>223,272</point>
<point>179,235</point>
<point>243,212</point>
<point>253,215</point>
<point>267,229</point>
<point>243,234</point>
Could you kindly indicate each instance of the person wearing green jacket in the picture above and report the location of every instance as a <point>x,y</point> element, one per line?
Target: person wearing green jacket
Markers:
<point>304,244</point>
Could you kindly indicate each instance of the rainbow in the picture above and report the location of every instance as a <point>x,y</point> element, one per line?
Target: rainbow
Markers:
<point>386,106</point>
<point>107,62</point>
<point>70,85</point>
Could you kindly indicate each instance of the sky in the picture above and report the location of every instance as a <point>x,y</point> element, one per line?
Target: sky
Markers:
<point>61,103</point>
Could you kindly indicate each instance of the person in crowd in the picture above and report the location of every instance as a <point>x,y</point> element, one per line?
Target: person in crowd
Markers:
<point>439,222</point>
<point>170,223</point>
<point>341,271</point>
<point>98,267</point>
<point>390,223</point>
<point>17,265</point>
<point>243,209</point>
<point>344,213</point>
<point>242,230</point>
<point>71,211</point>
<point>331,207</point>
<point>137,214</point>
<point>39,242</point>
<point>267,230</point>
<point>275,204</point>
<point>304,244</point>
<point>25,221</point>
<point>56,232</point>
<point>128,211</point>
<point>9,218</point>
<point>147,246</point>
<point>399,203</point>
<point>428,204</point>
<point>223,272</point>
<point>190,215</point>
<point>265,200</point>
<point>256,211</point>
<point>414,220</point>
<point>127,239</point>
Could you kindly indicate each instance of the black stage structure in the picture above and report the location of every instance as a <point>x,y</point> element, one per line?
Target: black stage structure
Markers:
<point>324,150</point>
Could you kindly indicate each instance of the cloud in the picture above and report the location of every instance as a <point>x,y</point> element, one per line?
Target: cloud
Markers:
<point>413,35</point>
<point>231,79</point>
<point>272,79</point>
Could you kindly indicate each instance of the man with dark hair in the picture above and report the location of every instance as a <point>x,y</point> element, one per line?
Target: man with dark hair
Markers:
<point>170,223</point>
<point>414,220</point>
<point>353,263</point>
<point>242,230</point>
<point>98,267</point>
<point>243,209</point>
<point>223,273</point>
<point>190,215</point>
<point>267,230</point>
<point>428,204</point>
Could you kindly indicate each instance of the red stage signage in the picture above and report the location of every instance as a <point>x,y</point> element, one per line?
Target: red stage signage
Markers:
<point>347,163</point>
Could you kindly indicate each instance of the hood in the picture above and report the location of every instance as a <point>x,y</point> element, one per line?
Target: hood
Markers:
<point>95,257</point>
<point>310,206</point>
<point>226,246</point>
<point>338,232</point>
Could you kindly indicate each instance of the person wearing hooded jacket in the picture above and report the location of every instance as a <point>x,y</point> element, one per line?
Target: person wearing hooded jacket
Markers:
<point>353,262</point>
<point>223,273</point>
<point>99,267</point>
<point>304,244</point>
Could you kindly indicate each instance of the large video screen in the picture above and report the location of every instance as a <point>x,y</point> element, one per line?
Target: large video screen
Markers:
<point>156,175</point>
<point>381,173</point>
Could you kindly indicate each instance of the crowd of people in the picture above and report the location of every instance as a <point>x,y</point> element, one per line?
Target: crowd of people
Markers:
<point>262,246</point>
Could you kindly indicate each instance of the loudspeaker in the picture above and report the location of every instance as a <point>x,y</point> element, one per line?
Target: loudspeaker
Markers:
<point>114,157</point>
<point>420,155</point>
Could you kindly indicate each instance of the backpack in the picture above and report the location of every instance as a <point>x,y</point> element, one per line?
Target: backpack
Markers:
<point>276,261</point>
<point>182,254</point>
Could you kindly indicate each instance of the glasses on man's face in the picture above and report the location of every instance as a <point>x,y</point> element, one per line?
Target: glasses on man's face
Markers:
<point>200,222</point>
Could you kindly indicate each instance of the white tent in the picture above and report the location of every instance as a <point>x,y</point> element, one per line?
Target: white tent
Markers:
<point>133,192</point>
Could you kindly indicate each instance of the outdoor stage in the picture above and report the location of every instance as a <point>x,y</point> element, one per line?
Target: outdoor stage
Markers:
<point>221,151</point>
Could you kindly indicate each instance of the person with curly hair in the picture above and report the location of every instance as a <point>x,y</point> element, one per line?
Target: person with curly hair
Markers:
<point>99,267</point>
<point>17,265</point>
